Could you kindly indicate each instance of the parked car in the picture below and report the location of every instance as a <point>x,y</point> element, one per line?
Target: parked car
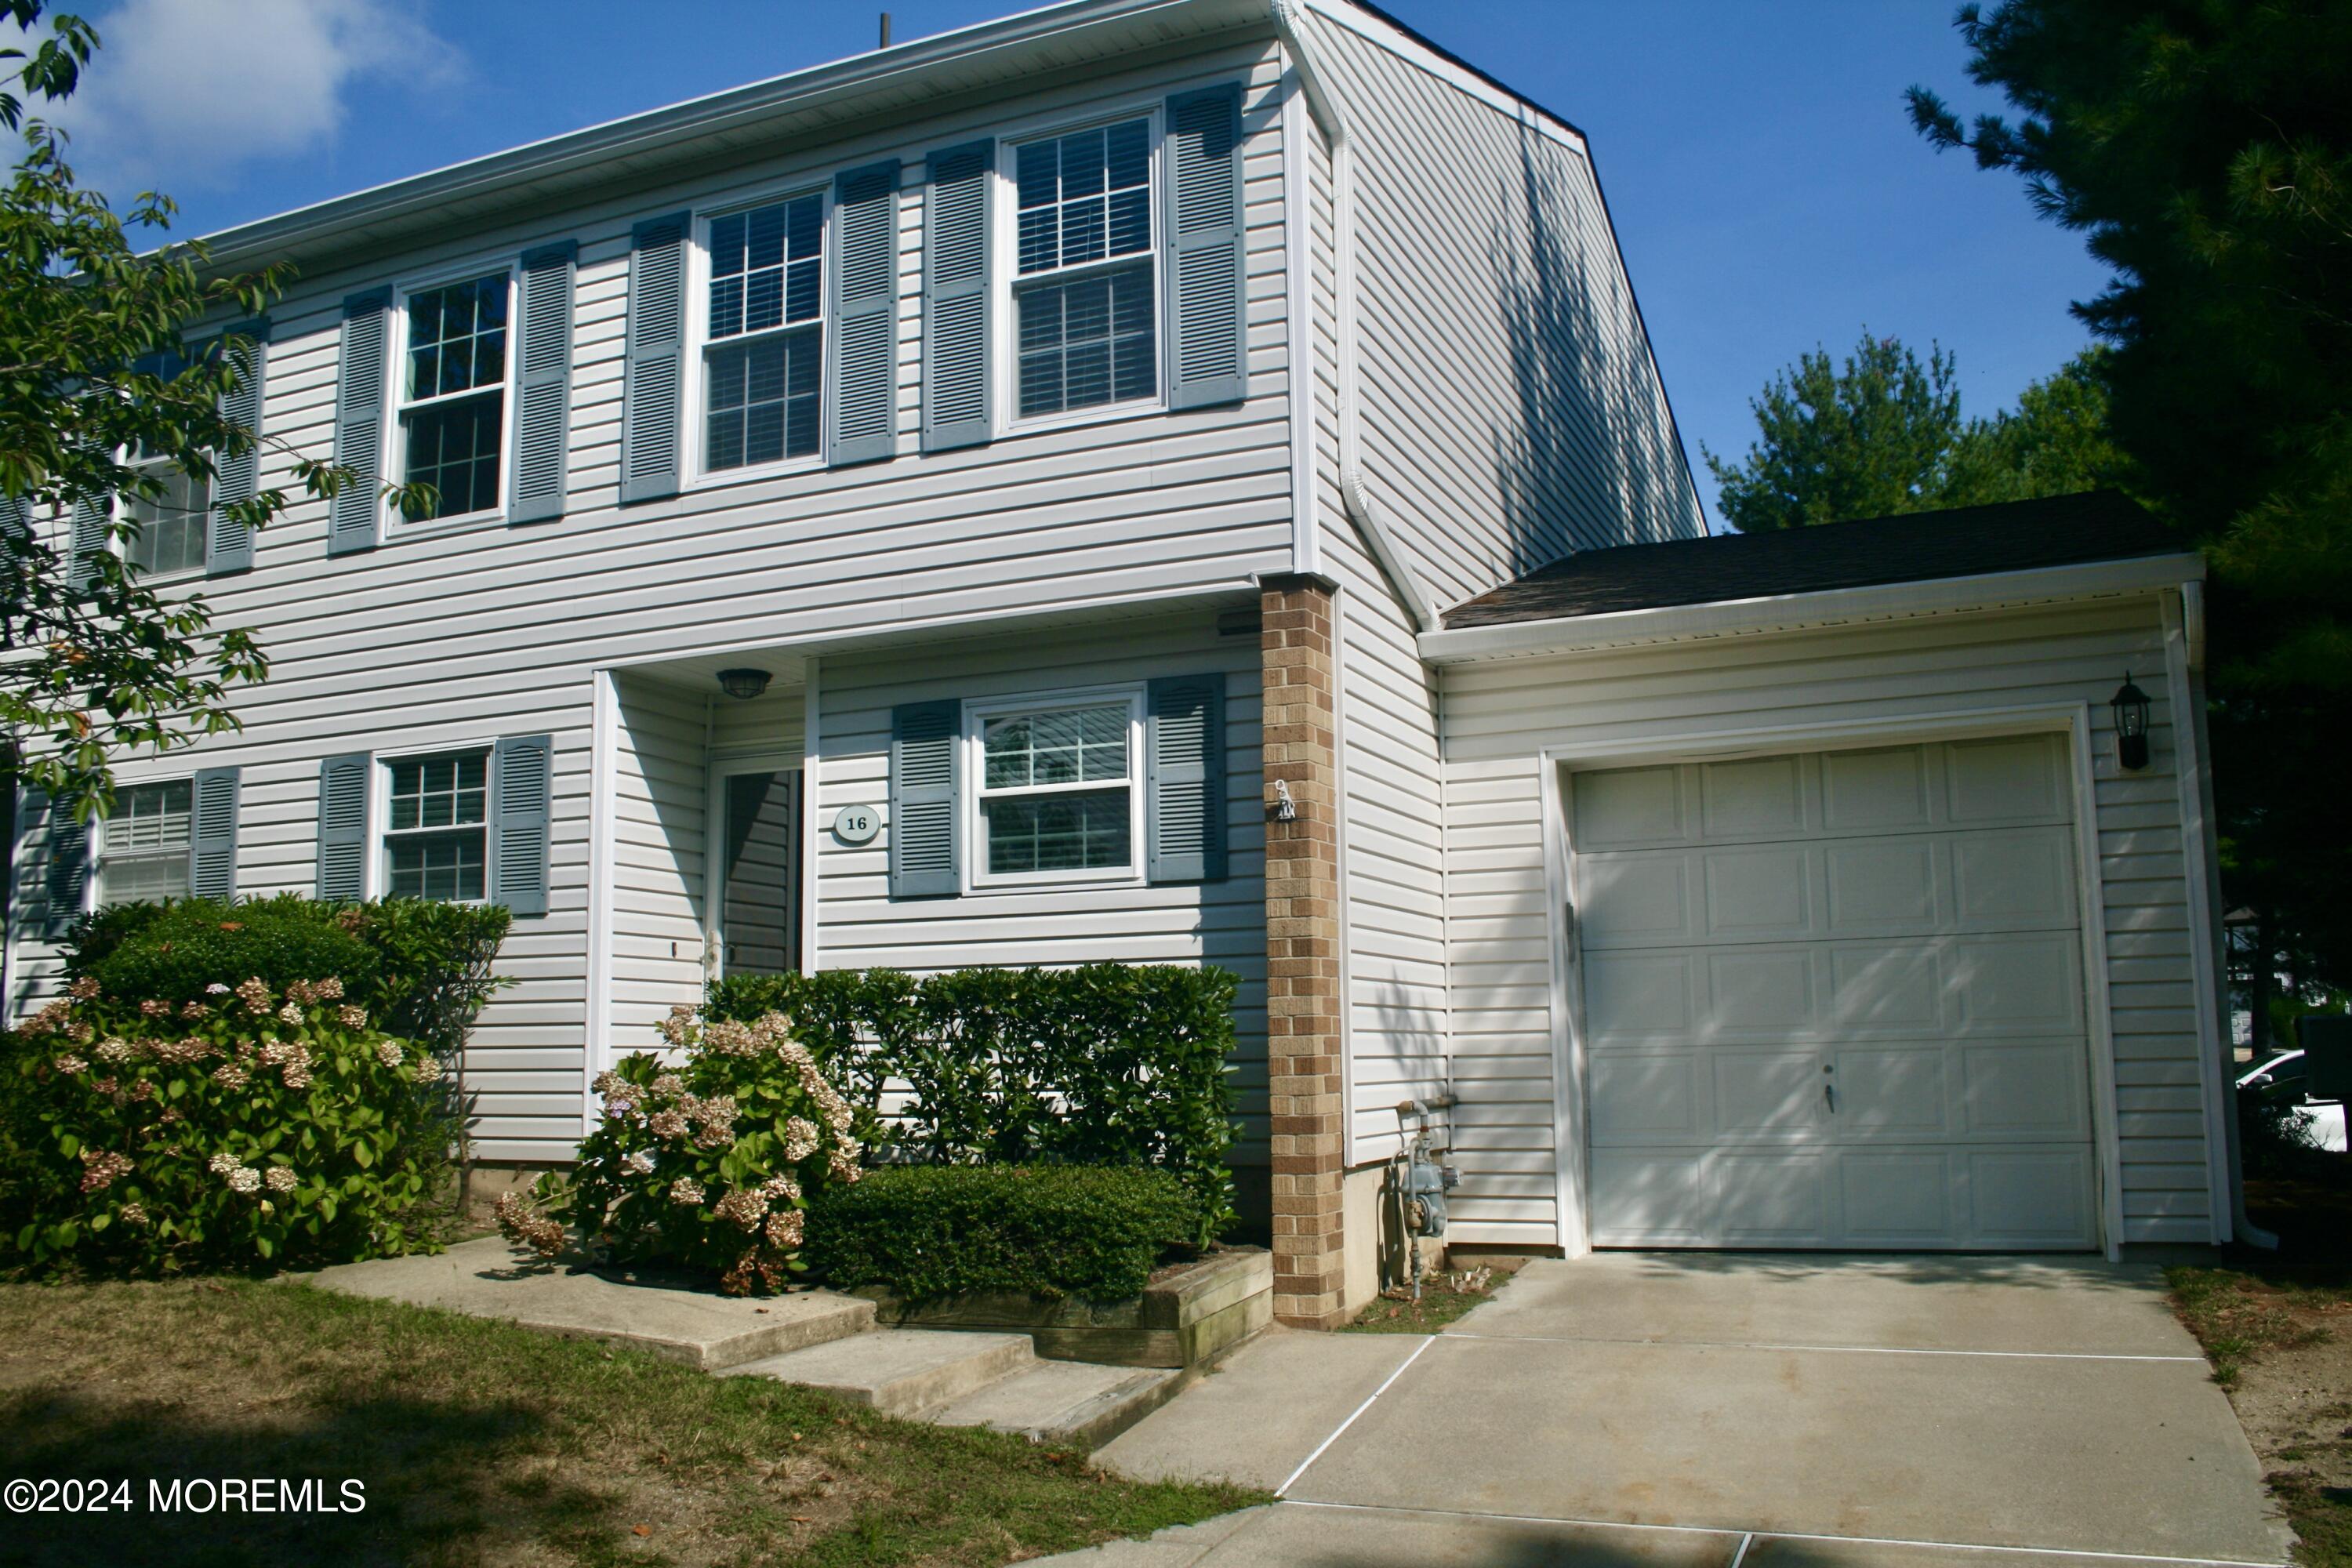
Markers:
<point>2286,1076</point>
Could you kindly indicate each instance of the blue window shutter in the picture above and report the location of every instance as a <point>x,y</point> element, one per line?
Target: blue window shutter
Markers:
<point>863,427</point>
<point>955,297</point>
<point>353,517</point>
<point>343,826</point>
<point>653,369</point>
<point>16,518</point>
<point>236,479</point>
<point>543,382</point>
<point>926,758</point>
<point>212,841</point>
<point>521,783</point>
<point>1184,779</point>
<point>91,515</point>
<point>1207,282</point>
<point>69,868</point>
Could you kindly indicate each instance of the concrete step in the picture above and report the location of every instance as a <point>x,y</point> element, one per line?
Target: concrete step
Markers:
<point>1058,1402</point>
<point>899,1372</point>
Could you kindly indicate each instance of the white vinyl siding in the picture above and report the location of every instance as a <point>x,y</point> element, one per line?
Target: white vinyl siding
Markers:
<point>1500,714</point>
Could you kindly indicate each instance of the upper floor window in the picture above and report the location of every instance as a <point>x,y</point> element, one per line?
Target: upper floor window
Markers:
<point>453,393</point>
<point>1057,788</point>
<point>144,846</point>
<point>435,840</point>
<point>1085,291</point>
<point>171,535</point>
<point>763,353</point>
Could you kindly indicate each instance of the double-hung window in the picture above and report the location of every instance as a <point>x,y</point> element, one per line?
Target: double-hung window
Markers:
<point>144,846</point>
<point>171,532</point>
<point>453,393</point>
<point>763,339</point>
<point>436,839</point>
<point>1058,787</point>
<point>1084,292</point>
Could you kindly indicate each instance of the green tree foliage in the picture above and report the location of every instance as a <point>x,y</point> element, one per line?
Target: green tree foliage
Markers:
<point>97,663</point>
<point>2204,149</point>
<point>1884,434</point>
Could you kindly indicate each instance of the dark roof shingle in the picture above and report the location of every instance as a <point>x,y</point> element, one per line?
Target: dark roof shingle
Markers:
<point>1966,542</point>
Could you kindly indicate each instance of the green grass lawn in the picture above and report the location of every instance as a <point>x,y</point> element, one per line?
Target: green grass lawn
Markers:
<point>481,1443</point>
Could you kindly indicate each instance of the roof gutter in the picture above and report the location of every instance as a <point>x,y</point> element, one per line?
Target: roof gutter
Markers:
<point>1778,612</point>
<point>1359,504</point>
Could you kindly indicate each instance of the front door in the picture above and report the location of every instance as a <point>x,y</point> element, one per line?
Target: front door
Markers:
<point>759,894</point>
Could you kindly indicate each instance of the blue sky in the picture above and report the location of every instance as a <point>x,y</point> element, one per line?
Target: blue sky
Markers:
<point>1768,193</point>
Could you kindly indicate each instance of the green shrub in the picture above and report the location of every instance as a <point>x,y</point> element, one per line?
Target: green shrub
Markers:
<point>1104,1064</point>
<point>421,968</point>
<point>924,1232</point>
<point>259,1126</point>
<point>707,1161</point>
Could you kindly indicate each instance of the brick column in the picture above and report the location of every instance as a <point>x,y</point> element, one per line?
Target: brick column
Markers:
<point>1302,949</point>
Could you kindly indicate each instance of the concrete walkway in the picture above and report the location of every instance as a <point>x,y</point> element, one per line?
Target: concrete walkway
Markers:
<point>1721,1409</point>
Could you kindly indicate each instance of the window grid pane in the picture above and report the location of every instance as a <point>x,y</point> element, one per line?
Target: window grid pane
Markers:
<point>446,867</point>
<point>1070,745</point>
<point>144,878</point>
<point>763,400</point>
<point>150,817</point>
<point>457,337</point>
<point>455,447</point>
<point>439,791</point>
<point>1081,831</point>
<point>767,267</point>
<point>1083,197</point>
<point>1087,341</point>
<point>170,525</point>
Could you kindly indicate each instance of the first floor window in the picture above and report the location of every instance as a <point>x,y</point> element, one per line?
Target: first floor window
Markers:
<point>171,536</point>
<point>453,389</point>
<point>144,855</point>
<point>1057,788</point>
<point>436,837</point>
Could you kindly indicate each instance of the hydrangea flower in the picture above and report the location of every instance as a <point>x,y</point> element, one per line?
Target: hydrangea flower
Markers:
<point>279,1178</point>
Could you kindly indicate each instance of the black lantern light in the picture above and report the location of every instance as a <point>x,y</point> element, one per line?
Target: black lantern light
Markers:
<point>2130,704</point>
<point>744,683</point>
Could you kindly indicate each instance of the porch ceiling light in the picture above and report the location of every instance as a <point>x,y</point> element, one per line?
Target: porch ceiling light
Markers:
<point>744,683</point>
<point>2131,706</point>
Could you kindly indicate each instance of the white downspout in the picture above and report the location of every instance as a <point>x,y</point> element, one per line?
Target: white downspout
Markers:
<point>1360,508</point>
<point>2205,877</point>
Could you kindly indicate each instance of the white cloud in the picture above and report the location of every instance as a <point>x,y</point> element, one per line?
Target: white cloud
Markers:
<point>189,91</point>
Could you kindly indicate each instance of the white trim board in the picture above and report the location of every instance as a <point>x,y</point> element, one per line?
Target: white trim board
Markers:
<point>1569,1054</point>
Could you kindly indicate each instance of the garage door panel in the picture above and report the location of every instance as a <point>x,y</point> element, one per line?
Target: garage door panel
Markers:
<point>2031,1198</point>
<point>1631,806</point>
<point>1775,1200</point>
<point>1897,1198</point>
<point>1767,1092</point>
<point>2013,779</point>
<point>2024,877</point>
<point>1836,1000</point>
<point>1643,1097</point>
<point>1756,895</point>
<point>1875,792</point>
<point>1753,797</point>
<point>2035,1088</point>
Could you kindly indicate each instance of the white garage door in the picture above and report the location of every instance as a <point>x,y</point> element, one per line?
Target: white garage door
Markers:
<point>1835,1000</point>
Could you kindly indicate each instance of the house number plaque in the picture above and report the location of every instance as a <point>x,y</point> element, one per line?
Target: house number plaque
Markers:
<point>856,824</point>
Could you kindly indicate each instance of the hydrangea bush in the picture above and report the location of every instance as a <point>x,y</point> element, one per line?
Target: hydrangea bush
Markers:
<point>253,1127</point>
<point>706,1156</point>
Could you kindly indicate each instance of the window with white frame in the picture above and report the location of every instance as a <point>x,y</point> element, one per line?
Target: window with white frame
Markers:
<point>143,845</point>
<point>436,836</point>
<point>453,393</point>
<point>1084,291</point>
<point>763,334</point>
<point>1057,786</point>
<point>171,532</point>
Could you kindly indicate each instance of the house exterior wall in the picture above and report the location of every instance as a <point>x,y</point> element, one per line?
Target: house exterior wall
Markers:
<point>1501,715</point>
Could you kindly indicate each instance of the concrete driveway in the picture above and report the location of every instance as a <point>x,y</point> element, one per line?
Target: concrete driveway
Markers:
<point>1758,1410</point>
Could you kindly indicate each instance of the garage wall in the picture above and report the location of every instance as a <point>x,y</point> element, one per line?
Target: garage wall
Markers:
<point>1498,716</point>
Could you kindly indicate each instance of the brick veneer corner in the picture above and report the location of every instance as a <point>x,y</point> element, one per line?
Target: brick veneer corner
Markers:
<point>1302,951</point>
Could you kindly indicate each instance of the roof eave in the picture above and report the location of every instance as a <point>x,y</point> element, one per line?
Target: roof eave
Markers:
<point>1831,606</point>
<point>1007,44</point>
